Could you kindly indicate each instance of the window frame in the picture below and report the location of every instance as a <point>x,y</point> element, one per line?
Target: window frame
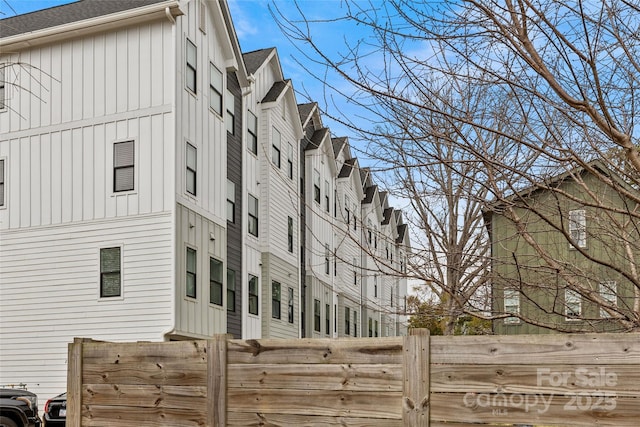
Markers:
<point>316,186</point>
<point>191,274</point>
<point>316,315</point>
<point>215,89</point>
<point>191,68</point>
<point>3,86</point>
<point>253,223</point>
<point>216,285</point>
<point>355,323</point>
<point>191,170</point>
<point>3,187</point>
<point>231,202</point>
<point>327,203</point>
<point>572,297</point>
<point>608,291</point>
<point>327,319</point>
<point>230,121</point>
<point>290,160</point>
<point>118,167</point>
<point>347,321</point>
<point>290,305</point>
<point>253,306</point>
<point>511,305</point>
<point>276,147</point>
<point>578,228</point>
<point>327,258</point>
<point>231,290</point>
<point>102,293</point>
<point>252,130</point>
<point>290,234</point>
<point>276,300</point>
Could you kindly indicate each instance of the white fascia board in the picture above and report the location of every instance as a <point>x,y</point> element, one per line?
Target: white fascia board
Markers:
<point>91,26</point>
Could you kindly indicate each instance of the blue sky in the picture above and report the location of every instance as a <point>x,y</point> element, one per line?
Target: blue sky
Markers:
<point>257,29</point>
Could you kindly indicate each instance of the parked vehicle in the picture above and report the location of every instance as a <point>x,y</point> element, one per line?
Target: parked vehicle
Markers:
<point>18,408</point>
<point>55,411</point>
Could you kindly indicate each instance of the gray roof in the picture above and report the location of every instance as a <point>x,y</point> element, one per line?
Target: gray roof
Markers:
<point>338,143</point>
<point>253,60</point>
<point>387,215</point>
<point>347,168</point>
<point>275,91</point>
<point>305,110</point>
<point>66,14</point>
<point>316,139</point>
<point>369,193</point>
<point>402,230</point>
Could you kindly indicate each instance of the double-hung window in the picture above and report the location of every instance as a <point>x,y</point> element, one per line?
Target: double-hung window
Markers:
<point>572,304</point>
<point>253,295</point>
<point>316,186</point>
<point>276,298</point>
<point>123,166</point>
<point>578,228</point>
<point>253,216</point>
<point>276,145</point>
<point>326,196</point>
<point>326,258</point>
<point>608,291</point>
<point>252,129</point>
<point>231,201</point>
<point>215,281</point>
<point>512,305</point>
<point>231,113</point>
<point>215,89</point>
<point>192,160</point>
<point>316,315</point>
<point>290,234</point>
<point>290,161</point>
<point>191,288</point>
<point>1,182</point>
<point>110,272</point>
<point>347,321</point>
<point>290,305</point>
<point>327,319</point>
<point>231,290</point>
<point>191,69</point>
<point>355,323</point>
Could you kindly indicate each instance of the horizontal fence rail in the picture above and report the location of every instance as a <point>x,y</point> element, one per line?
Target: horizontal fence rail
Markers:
<point>418,380</point>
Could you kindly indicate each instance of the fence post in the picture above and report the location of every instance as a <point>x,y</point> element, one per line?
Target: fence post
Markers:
<point>217,381</point>
<point>415,368</point>
<point>74,383</point>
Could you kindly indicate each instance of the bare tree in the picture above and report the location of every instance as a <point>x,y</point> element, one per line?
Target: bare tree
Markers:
<point>500,104</point>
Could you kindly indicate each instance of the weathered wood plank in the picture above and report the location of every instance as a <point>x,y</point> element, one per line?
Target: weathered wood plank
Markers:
<point>134,416</point>
<point>260,419</point>
<point>623,349</point>
<point>415,399</point>
<point>95,352</point>
<point>356,377</point>
<point>547,410</point>
<point>339,351</point>
<point>546,379</point>
<point>165,372</point>
<point>217,381</point>
<point>74,383</point>
<point>372,404</point>
<point>144,396</point>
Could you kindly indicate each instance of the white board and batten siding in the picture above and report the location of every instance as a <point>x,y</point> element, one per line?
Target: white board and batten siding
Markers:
<point>78,98</point>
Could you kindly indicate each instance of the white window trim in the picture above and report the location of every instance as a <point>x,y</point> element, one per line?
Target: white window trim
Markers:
<point>107,245</point>
<point>511,294</point>
<point>608,290</point>
<point>136,167</point>
<point>4,183</point>
<point>184,274</point>
<point>219,90</point>
<point>186,191</point>
<point>4,66</point>
<point>251,114</point>
<point>188,41</point>
<point>573,294</point>
<point>578,226</point>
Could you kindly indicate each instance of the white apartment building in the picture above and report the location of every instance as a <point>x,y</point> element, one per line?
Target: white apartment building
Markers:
<point>157,184</point>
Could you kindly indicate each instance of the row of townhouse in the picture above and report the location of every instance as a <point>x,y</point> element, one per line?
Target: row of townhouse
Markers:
<point>158,184</point>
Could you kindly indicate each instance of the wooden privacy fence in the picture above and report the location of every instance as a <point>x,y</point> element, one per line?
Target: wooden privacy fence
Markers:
<point>550,380</point>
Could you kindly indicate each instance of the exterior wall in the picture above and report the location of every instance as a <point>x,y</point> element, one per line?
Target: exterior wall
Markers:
<point>235,238</point>
<point>275,269</point>
<point>198,317</point>
<point>321,291</point>
<point>50,293</point>
<point>542,288</point>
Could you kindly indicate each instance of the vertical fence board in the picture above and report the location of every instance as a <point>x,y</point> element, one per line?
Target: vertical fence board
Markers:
<point>217,381</point>
<point>415,402</point>
<point>74,383</point>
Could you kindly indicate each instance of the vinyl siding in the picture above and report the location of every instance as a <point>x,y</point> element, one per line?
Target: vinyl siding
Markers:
<point>276,269</point>
<point>49,293</point>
